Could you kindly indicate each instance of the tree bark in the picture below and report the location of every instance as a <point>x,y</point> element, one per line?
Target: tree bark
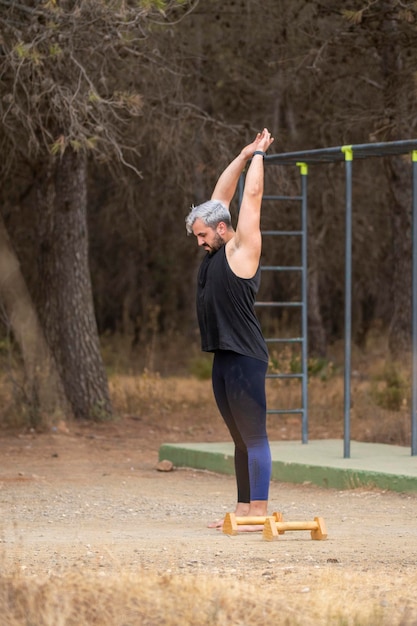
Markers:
<point>42,386</point>
<point>317,341</point>
<point>399,183</point>
<point>400,199</point>
<point>66,303</point>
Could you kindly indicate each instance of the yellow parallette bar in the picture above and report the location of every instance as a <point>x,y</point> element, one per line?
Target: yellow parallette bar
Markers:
<point>296,526</point>
<point>231,522</point>
<point>251,520</point>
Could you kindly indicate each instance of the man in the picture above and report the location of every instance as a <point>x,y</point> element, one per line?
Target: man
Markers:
<point>228,281</point>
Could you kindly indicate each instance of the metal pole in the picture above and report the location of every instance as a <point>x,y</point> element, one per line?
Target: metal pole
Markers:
<point>348,297</point>
<point>304,315</point>
<point>414,311</point>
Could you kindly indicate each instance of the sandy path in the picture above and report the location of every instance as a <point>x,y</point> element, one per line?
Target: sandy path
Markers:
<point>97,502</point>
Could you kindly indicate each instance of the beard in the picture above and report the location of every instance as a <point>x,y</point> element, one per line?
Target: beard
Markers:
<point>218,242</point>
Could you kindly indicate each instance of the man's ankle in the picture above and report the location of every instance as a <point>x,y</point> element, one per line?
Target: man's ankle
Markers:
<point>242,509</point>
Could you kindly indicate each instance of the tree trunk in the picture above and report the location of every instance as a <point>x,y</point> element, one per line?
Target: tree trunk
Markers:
<point>317,336</point>
<point>43,390</point>
<point>399,184</point>
<point>66,302</point>
<point>400,195</point>
<point>317,341</point>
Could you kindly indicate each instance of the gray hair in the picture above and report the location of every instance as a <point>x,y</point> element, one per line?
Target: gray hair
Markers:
<point>211,213</point>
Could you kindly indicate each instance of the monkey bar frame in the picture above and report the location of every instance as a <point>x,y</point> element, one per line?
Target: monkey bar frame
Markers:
<point>348,153</point>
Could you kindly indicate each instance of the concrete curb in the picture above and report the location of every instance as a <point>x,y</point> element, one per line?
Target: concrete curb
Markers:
<point>319,462</point>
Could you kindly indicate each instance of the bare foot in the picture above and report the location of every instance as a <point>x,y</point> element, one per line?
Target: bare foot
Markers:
<point>218,523</point>
<point>250,528</point>
<point>243,528</point>
<point>241,510</point>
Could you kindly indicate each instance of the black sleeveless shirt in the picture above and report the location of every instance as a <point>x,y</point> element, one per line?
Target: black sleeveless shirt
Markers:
<point>225,309</point>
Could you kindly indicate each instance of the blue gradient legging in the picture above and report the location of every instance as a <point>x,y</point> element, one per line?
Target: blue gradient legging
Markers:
<point>239,390</point>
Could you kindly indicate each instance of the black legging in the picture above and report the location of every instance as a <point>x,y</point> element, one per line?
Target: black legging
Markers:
<point>239,389</point>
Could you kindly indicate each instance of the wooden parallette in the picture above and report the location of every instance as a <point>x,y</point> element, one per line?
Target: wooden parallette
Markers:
<point>272,528</point>
<point>274,525</point>
<point>232,522</point>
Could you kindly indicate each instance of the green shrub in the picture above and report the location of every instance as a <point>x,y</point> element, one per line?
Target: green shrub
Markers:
<point>200,367</point>
<point>390,389</point>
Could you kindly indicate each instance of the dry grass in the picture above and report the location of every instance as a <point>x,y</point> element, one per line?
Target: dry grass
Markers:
<point>150,392</point>
<point>86,599</point>
<point>380,391</point>
<point>177,391</point>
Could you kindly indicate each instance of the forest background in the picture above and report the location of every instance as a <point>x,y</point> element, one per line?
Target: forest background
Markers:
<point>117,116</point>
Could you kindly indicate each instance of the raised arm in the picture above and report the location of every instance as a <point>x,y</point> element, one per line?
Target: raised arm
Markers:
<point>226,185</point>
<point>244,250</point>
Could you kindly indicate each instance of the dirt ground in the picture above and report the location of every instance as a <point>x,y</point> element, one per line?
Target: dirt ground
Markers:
<point>89,496</point>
